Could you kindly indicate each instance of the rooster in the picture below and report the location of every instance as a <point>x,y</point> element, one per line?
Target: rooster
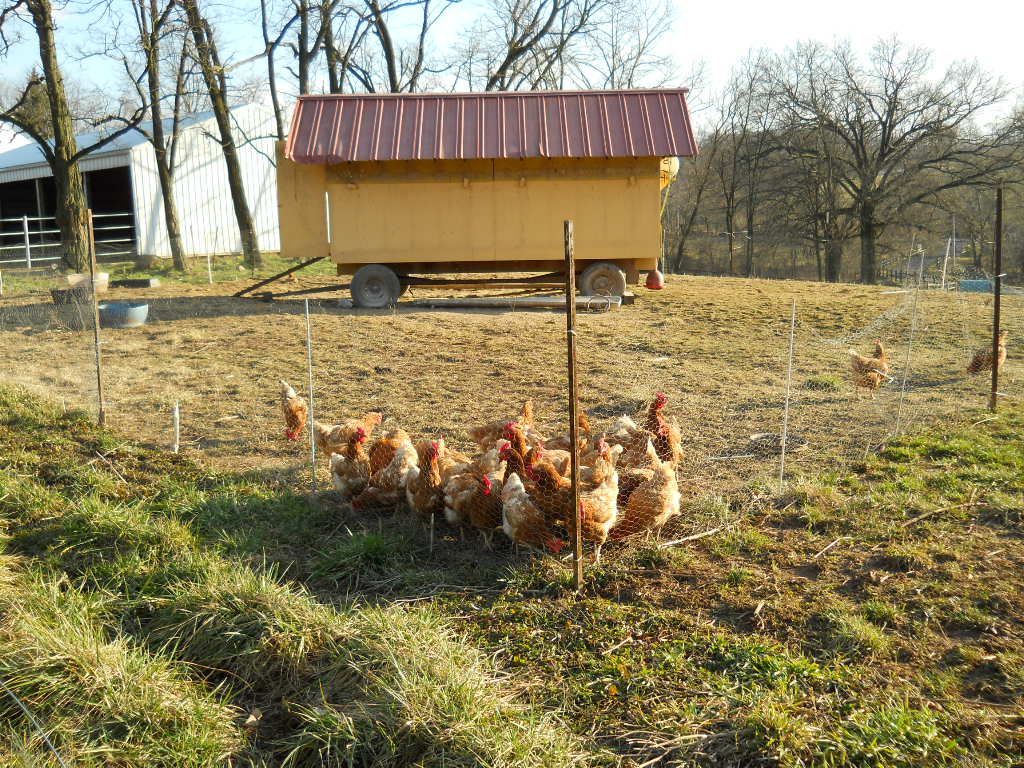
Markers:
<point>387,484</point>
<point>870,372</point>
<point>350,469</point>
<point>296,411</point>
<point>598,508</point>
<point>653,502</point>
<point>982,360</point>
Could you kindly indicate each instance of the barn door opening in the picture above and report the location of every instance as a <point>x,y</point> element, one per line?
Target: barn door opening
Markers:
<point>109,192</point>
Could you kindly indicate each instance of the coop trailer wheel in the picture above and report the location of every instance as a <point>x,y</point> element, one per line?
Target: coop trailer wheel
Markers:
<point>375,286</point>
<point>603,278</point>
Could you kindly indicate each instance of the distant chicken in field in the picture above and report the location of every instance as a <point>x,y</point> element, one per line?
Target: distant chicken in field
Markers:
<point>350,469</point>
<point>982,360</point>
<point>296,411</point>
<point>386,486</point>
<point>654,501</point>
<point>331,438</point>
<point>870,372</point>
<point>472,496</point>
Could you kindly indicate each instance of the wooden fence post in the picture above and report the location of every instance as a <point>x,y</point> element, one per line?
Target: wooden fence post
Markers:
<point>570,334</point>
<point>997,285</point>
<point>102,418</point>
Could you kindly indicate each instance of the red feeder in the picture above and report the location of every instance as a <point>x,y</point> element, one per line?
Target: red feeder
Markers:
<point>655,280</point>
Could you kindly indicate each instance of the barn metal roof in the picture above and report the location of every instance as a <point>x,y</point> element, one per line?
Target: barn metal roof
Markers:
<point>555,124</point>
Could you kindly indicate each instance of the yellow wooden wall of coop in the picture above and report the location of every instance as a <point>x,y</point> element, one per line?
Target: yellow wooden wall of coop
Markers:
<point>466,215</point>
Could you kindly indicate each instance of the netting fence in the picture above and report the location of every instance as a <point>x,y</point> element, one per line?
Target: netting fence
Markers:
<point>683,396</point>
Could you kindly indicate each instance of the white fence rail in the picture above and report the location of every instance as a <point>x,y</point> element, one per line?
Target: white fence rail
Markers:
<point>32,240</point>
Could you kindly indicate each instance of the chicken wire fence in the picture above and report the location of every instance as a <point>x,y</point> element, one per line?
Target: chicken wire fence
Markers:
<point>457,421</point>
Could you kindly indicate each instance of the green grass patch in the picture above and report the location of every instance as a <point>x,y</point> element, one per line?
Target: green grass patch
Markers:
<point>870,618</point>
<point>826,382</point>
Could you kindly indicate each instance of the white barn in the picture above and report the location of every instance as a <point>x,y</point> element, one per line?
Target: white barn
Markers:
<point>123,190</point>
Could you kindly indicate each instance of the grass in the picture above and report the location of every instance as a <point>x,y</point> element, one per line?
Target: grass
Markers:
<point>868,614</point>
<point>714,346</point>
<point>825,382</point>
<point>167,619</point>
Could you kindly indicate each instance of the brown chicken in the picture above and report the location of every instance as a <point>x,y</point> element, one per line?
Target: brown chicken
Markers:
<point>654,501</point>
<point>331,438</point>
<point>350,469</point>
<point>487,435</point>
<point>383,449</point>
<point>521,521</point>
<point>585,437</point>
<point>423,488</point>
<point>667,436</point>
<point>472,494</point>
<point>870,373</point>
<point>553,497</point>
<point>296,411</point>
<point>386,486</point>
<point>982,360</point>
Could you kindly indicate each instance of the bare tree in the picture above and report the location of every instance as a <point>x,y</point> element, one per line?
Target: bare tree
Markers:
<point>904,137</point>
<point>156,23</point>
<point>58,144</point>
<point>215,78</point>
<point>624,47</point>
<point>524,44</point>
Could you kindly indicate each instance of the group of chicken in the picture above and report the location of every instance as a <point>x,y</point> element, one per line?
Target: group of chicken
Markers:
<point>871,372</point>
<point>517,482</point>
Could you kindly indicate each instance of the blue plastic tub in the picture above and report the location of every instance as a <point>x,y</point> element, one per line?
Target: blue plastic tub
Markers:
<point>123,314</point>
<point>976,286</point>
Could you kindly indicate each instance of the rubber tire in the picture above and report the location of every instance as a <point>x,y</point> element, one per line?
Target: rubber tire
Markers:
<point>375,286</point>
<point>603,278</point>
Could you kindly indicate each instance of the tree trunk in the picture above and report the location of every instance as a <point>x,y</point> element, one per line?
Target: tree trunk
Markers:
<point>834,261</point>
<point>216,84</point>
<point>817,251</point>
<point>868,235</point>
<point>72,208</point>
<point>303,45</point>
<point>271,49</point>
<point>164,170</point>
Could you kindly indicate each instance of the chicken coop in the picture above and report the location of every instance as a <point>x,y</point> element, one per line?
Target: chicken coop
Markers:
<point>394,188</point>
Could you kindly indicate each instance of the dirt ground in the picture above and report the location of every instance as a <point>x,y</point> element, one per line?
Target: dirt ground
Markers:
<point>717,347</point>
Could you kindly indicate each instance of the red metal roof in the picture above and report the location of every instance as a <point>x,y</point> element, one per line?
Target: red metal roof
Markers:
<point>343,128</point>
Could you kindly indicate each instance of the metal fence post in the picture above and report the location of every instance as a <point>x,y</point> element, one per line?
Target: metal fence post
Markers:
<point>312,428</point>
<point>28,243</point>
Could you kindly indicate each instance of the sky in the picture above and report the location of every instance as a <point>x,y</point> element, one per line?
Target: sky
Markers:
<point>990,31</point>
<point>709,32</point>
